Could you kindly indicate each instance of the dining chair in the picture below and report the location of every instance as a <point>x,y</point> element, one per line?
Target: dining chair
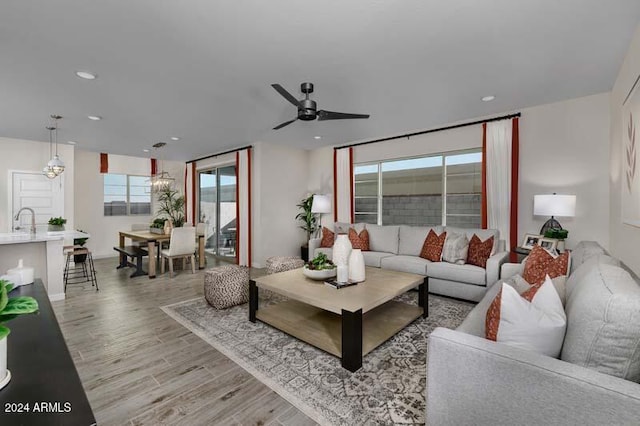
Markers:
<point>182,245</point>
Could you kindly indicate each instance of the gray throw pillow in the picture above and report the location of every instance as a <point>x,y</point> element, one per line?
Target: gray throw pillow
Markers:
<point>455,248</point>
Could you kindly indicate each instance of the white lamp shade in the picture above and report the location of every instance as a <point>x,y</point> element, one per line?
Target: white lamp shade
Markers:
<point>554,205</point>
<point>321,204</point>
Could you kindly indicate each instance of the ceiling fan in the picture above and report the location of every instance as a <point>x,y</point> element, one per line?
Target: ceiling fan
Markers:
<point>307,108</point>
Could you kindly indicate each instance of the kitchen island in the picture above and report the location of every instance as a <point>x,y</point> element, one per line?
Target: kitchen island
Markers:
<point>43,252</point>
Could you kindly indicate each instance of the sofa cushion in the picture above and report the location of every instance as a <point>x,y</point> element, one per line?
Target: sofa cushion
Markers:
<point>359,240</point>
<point>469,274</point>
<point>432,247</point>
<point>603,323</point>
<point>456,248</point>
<point>578,275</point>
<point>583,251</point>
<point>328,237</point>
<point>383,238</point>
<point>373,258</point>
<point>410,264</point>
<point>483,234</point>
<point>412,238</point>
<point>479,251</point>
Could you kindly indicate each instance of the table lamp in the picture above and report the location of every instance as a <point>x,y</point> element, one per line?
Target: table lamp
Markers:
<point>321,205</point>
<point>553,205</point>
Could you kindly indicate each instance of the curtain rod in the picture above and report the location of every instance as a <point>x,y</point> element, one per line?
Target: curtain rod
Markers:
<point>455,126</point>
<point>220,153</point>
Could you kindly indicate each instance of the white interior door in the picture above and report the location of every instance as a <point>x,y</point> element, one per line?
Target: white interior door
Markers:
<point>33,189</point>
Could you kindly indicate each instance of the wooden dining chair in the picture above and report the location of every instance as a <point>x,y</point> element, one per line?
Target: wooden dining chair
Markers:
<point>182,245</point>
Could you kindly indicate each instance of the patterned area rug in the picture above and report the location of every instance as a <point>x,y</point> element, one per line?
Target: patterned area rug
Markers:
<point>388,389</point>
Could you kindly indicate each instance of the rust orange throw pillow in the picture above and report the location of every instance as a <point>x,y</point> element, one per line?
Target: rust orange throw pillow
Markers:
<point>328,238</point>
<point>479,251</point>
<point>432,247</point>
<point>359,241</point>
<point>540,263</point>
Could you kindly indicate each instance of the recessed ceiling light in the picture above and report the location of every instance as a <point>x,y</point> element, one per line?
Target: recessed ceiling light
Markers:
<point>72,142</point>
<point>317,137</point>
<point>145,150</point>
<point>175,138</point>
<point>94,117</point>
<point>488,98</point>
<point>86,75</point>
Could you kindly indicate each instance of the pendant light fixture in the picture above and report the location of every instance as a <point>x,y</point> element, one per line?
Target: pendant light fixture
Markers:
<point>161,181</point>
<point>56,163</point>
<point>47,170</point>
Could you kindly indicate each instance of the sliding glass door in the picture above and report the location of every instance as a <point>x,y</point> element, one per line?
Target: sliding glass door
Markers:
<point>217,209</point>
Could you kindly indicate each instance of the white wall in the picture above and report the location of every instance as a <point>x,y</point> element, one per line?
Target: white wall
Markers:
<point>563,149</point>
<point>280,176</point>
<point>89,210</point>
<point>26,155</point>
<point>624,238</point>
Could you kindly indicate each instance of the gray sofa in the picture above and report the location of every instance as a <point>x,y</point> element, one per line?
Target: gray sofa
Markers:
<point>398,248</point>
<point>471,380</point>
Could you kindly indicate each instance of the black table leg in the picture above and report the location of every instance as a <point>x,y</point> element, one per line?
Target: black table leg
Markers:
<point>253,300</point>
<point>423,297</point>
<point>352,340</point>
<point>139,271</point>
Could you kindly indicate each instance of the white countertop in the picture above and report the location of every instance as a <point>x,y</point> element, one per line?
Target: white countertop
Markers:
<point>26,237</point>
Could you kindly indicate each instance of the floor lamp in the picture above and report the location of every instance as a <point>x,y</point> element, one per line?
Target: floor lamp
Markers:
<point>321,205</point>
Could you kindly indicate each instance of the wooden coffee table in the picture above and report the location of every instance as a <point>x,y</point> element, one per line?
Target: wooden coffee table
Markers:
<point>348,323</point>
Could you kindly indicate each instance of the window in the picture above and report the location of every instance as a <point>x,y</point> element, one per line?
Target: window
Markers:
<point>443,189</point>
<point>126,195</point>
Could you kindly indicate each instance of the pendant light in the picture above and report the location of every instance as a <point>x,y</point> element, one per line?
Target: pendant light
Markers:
<point>56,163</point>
<point>48,170</point>
<point>161,181</point>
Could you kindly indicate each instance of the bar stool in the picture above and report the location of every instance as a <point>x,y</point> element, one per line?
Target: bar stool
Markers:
<point>83,272</point>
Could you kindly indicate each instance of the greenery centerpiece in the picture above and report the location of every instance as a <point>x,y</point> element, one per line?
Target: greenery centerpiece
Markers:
<point>10,308</point>
<point>157,226</point>
<point>80,258</point>
<point>57,224</point>
<point>320,268</point>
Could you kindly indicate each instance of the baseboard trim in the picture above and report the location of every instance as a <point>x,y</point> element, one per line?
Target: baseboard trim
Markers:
<point>56,297</point>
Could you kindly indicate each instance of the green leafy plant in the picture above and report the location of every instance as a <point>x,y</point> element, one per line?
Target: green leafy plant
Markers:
<point>11,307</point>
<point>157,223</point>
<point>320,262</point>
<point>80,241</point>
<point>307,218</point>
<point>58,221</point>
<point>171,206</point>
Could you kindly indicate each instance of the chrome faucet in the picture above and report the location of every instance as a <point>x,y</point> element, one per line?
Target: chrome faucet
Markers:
<point>33,218</point>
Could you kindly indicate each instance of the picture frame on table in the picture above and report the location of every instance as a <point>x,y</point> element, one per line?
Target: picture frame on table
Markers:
<point>549,244</point>
<point>530,240</point>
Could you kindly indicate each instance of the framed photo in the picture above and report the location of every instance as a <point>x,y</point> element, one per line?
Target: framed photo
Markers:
<point>548,244</point>
<point>531,240</point>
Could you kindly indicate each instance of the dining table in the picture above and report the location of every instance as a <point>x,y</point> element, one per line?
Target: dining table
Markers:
<point>153,239</point>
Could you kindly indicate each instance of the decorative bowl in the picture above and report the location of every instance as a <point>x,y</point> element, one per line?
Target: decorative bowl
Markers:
<point>319,274</point>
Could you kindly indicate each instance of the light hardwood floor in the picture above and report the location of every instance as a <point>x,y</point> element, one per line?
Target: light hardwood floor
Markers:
<point>140,367</point>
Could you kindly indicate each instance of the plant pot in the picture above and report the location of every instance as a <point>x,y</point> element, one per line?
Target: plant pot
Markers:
<point>5,375</point>
<point>157,231</point>
<point>304,253</point>
<point>55,228</point>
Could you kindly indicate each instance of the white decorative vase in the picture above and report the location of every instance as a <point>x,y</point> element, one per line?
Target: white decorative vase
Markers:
<point>5,375</point>
<point>341,250</point>
<point>356,266</point>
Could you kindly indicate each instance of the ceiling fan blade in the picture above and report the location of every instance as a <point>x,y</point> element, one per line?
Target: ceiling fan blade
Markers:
<point>288,96</point>
<point>332,115</point>
<point>286,123</point>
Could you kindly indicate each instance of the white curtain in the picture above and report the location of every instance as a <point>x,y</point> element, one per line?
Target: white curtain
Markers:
<point>498,165</point>
<point>343,175</point>
<point>243,209</point>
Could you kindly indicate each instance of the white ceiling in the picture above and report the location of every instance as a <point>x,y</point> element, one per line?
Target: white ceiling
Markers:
<point>202,69</point>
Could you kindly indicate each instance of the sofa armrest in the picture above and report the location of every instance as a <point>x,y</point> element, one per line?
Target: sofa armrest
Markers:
<point>510,269</point>
<point>493,266</point>
<point>471,380</point>
<point>314,243</point>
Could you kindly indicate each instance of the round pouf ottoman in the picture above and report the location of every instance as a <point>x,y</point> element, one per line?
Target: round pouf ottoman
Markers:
<point>283,263</point>
<point>226,286</point>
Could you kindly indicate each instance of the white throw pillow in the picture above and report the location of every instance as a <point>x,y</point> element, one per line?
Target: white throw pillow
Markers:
<point>538,325</point>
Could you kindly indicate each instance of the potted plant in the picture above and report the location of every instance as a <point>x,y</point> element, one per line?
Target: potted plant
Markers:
<point>56,224</point>
<point>9,309</point>
<point>171,206</point>
<point>309,224</point>
<point>157,226</point>
<point>79,258</point>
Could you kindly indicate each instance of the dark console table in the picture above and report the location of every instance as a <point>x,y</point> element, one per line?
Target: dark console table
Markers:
<point>45,388</point>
